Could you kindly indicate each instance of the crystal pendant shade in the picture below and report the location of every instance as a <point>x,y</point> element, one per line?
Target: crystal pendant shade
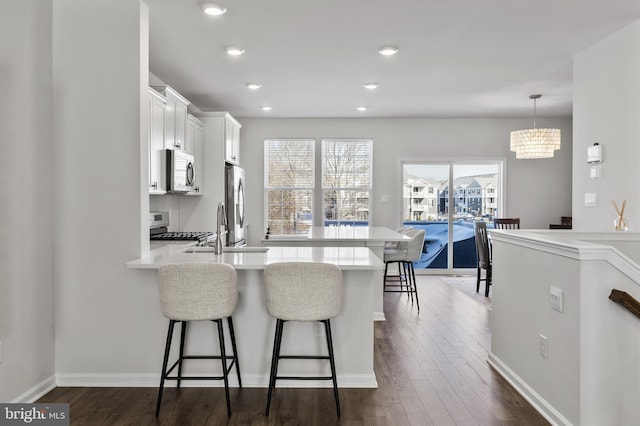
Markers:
<point>535,143</point>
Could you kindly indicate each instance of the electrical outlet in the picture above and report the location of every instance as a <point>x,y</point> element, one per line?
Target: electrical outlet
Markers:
<point>319,329</point>
<point>542,346</point>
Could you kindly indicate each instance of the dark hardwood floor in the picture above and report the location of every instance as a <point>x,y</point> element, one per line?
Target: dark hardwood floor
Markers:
<point>430,365</point>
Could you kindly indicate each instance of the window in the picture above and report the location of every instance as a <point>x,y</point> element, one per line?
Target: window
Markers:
<point>471,188</point>
<point>289,184</point>
<point>346,181</point>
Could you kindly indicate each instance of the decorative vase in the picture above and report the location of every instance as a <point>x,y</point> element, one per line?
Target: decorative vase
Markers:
<point>620,224</point>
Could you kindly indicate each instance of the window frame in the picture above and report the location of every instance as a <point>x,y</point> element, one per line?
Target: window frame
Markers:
<point>356,189</point>
<point>267,188</point>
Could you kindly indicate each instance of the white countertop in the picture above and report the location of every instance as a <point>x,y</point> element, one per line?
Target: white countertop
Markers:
<point>354,233</point>
<point>347,258</point>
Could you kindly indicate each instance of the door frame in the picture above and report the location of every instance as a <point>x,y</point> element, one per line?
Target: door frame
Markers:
<point>501,162</point>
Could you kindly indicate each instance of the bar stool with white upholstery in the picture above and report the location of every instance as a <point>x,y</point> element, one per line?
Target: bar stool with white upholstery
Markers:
<point>299,291</point>
<point>406,255</point>
<point>391,251</point>
<point>198,292</point>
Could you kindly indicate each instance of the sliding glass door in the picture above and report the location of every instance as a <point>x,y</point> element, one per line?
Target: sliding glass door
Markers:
<point>445,199</point>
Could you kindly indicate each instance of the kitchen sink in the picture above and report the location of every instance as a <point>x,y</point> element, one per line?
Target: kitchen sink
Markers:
<point>245,249</point>
<point>207,249</point>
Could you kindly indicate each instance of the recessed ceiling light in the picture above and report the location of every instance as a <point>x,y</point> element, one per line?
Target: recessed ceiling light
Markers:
<point>361,108</point>
<point>234,51</point>
<point>372,85</point>
<point>254,86</point>
<point>388,50</point>
<point>266,108</point>
<point>214,9</point>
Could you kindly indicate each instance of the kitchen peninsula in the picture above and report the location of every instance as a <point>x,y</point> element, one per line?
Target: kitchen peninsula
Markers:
<point>352,329</point>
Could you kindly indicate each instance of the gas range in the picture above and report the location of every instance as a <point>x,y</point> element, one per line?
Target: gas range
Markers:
<point>184,236</point>
<point>158,224</point>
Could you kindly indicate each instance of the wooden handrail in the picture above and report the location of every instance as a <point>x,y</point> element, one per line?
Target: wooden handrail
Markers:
<point>626,300</point>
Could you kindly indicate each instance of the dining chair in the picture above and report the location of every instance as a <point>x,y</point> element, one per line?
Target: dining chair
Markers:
<point>506,223</point>
<point>484,256</point>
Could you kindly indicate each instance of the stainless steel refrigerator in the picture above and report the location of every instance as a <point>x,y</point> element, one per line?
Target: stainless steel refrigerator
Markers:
<point>234,203</point>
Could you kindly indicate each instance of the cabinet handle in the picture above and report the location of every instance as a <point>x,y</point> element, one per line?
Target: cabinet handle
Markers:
<point>154,185</point>
<point>177,145</point>
<point>234,158</point>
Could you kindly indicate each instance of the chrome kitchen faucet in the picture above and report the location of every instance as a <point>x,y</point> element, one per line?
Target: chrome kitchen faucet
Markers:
<point>221,221</point>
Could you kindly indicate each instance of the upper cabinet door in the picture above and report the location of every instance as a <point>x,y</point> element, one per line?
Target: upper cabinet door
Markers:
<point>157,109</point>
<point>195,147</point>
<point>180,126</point>
<point>175,119</point>
<point>232,140</point>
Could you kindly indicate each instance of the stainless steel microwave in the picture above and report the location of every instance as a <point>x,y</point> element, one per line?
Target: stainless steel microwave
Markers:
<point>180,171</point>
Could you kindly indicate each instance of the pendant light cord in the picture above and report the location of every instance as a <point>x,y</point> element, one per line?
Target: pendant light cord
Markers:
<point>534,113</point>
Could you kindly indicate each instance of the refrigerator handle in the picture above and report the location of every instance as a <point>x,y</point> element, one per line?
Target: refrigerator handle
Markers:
<point>240,206</point>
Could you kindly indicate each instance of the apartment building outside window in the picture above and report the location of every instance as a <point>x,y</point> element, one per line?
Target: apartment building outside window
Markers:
<point>446,198</point>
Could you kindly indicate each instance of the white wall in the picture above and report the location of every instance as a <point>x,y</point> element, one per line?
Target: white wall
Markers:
<point>26,245</point>
<point>538,191</point>
<point>521,312</point>
<point>606,107</point>
<point>107,317</point>
<point>591,373</point>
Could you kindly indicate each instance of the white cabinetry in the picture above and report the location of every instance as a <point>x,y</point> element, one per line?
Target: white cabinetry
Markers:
<point>175,118</point>
<point>215,131</point>
<point>157,108</point>
<point>171,127</point>
<point>194,145</point>
<point>232,140</point>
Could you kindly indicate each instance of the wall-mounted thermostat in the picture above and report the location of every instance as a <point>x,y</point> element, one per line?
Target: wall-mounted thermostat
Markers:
<point>594,153</point>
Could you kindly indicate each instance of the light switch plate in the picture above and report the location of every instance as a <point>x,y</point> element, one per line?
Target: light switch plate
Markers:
<point>555,298</point>
<point>590,199</point>
<point>595,172</point>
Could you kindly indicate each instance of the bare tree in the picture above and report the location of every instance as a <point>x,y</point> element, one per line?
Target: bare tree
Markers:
<point>346,179</point>
<point>289,182</point>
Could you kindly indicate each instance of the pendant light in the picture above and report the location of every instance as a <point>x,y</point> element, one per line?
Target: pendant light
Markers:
<point>535,143</point>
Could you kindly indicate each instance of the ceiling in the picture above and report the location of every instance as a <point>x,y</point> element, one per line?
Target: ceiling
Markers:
<point>457,58</point>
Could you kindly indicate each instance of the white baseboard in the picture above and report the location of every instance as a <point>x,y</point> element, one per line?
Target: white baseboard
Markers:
<point>379,316</point>
<point>249,381</point>
<point>36,392</point>
<point>541,405</point>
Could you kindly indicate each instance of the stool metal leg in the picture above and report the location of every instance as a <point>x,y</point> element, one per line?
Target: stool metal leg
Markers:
<point>274,362</point>
<point>327,326</point>
<point>167,347</point>
<point>223,358</point>
<point>384,278</point>
<point>415,285</point>
<point>407,267</point>
<point>235,349</point>
<point>183,335</point>
<point>407,278</point>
